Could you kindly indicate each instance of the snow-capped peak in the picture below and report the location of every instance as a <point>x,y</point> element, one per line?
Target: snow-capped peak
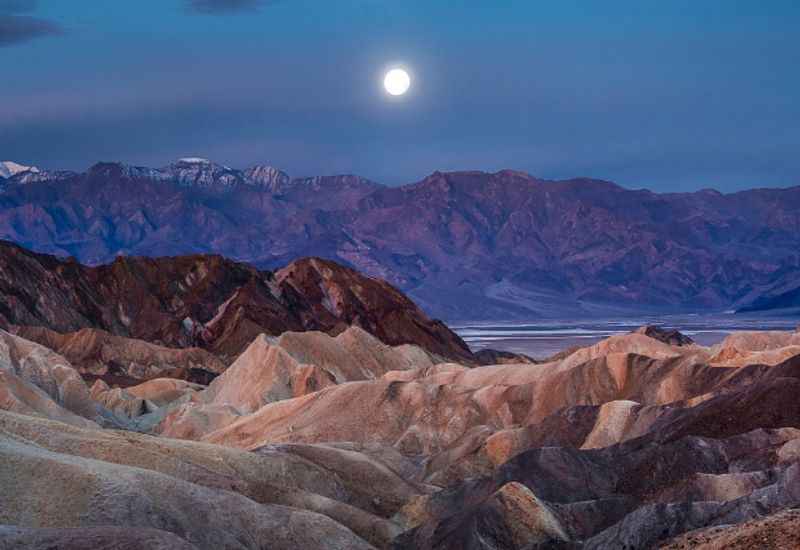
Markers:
<point>202,172</point>
<point>194,160</point>
<point>9,168</point>
<point>268,177</point>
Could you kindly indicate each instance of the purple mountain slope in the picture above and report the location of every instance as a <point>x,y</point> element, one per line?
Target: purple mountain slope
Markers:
<point>463,245</point>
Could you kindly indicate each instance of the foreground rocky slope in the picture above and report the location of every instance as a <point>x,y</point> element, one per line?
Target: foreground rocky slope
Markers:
<point>199,301</point>
<point>465,245</point>
<point>166,404</point>
<point>315,441</point>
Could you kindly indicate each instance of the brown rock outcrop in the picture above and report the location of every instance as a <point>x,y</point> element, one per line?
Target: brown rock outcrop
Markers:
<point>777,531</point>
<point>668,336</point>
<point>497,357</point>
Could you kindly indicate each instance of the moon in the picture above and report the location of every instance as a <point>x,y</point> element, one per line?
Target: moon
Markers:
<point>397,82</point>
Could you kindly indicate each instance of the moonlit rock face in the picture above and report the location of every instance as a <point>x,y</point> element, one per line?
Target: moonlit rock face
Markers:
<point>397,82</point>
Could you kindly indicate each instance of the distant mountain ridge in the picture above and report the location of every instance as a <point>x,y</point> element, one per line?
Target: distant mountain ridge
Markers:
<point>464,245</point>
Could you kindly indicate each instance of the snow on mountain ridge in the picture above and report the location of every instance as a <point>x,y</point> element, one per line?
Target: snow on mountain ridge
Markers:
<point>195,160</point>
<point>191,171</point>
<point>145,172</point>
<point>10,168</point>
<point>203,172</point>
<point>268,176</point>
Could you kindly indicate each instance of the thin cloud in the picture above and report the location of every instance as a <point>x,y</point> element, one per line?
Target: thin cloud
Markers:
<point>223,7</point>
<point>16,28</point>
<point>16,7</point>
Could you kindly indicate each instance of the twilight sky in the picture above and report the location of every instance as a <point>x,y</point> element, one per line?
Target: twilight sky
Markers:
<point>676,95</point>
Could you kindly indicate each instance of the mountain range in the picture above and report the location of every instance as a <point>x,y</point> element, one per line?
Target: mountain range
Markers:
<point>463,245</point>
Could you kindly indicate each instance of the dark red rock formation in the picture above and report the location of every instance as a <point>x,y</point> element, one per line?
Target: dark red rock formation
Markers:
<point>209,302</point>
<point>329,295</point>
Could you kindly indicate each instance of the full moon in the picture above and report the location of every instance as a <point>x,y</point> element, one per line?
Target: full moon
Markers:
<point>397,82</point>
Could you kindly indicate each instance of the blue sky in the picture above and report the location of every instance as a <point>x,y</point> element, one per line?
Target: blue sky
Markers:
<point>671,96</point>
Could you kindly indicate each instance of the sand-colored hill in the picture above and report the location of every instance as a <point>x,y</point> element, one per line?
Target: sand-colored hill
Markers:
<point>125,361</point>
<point>751,348</point>
<point>51,374</point>
<point>318,441</point>
<point>91,538</point>
<point>265,373</point>
<point>292,366</point>
<point>761,341</point>
<point>105,493</point>
<point>352,355</point>
<point>148,397</point>
<point>328,481</point>
<point>430,409</point>
<point>19,396</point>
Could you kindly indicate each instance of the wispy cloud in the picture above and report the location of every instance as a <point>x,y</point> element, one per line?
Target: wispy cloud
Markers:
<point>222,7</point>
<point>16,28</point>
<point>15,7</point>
